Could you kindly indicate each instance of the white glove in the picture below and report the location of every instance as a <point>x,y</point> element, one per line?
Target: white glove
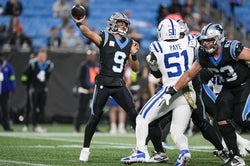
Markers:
<point>152,63</point>
<point>169,93</point>
<point>167,98</point>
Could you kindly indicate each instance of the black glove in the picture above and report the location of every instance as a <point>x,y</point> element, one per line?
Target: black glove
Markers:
<point>171,90</point>
<point>169,93</point>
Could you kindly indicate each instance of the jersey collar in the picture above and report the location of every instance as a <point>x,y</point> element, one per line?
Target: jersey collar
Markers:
<point>217,61</point>
<point>121,44</point>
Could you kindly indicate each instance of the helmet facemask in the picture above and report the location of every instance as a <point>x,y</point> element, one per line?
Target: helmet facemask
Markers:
<point>122,31</point>
<point>210,49</point>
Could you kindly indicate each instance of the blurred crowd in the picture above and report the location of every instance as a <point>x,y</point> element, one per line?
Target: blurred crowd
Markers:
<point>195,16</point>
<point>58,36</point>
<point>64,35</point>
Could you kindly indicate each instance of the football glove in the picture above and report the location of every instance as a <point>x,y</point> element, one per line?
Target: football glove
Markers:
<point>169,93</point>
<point>152,63</point>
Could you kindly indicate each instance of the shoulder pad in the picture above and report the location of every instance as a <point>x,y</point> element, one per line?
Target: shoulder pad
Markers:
<point>155,47</point>
<point>235,47</point>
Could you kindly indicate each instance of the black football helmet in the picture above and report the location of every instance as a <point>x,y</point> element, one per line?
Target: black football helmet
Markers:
<point>112,23</point>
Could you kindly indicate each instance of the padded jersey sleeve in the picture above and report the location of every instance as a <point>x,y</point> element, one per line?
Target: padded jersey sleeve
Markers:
<point>199,51</point>
<point>155,47</point>
<point>104,36</point>
<point>235,48</point>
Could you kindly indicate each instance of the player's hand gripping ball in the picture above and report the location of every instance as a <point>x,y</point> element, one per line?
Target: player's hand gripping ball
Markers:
<point>78,12</point>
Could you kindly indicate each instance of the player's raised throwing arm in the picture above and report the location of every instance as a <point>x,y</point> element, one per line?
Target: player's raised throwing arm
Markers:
<point>91,35</point>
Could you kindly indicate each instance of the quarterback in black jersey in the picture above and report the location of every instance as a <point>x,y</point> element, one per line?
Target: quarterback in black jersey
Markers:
<point>115,50</point>
<point>227,59</point>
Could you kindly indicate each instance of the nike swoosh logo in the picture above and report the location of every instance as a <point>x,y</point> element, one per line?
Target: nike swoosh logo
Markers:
<point>138,156</point>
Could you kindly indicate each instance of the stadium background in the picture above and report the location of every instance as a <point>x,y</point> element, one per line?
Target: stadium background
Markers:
<point>37,18</point>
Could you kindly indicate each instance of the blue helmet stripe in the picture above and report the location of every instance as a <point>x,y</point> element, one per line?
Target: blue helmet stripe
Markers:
<point>172,25</point>
<point>205,32</point>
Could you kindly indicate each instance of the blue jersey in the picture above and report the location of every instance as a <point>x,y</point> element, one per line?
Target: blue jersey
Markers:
<point>7,78</point>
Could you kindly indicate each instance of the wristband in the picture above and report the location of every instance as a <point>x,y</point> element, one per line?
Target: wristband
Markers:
<point>134,57</point>
<point>79,24</point>
<point>171,90</point>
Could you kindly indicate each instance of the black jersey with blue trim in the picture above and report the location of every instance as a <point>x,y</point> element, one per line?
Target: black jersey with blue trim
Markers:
<point>233,72</point>
<point>113,54</point>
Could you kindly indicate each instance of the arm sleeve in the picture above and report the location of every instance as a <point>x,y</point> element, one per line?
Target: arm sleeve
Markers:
<point>104,36</point>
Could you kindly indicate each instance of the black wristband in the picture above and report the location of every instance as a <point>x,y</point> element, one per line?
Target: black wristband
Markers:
<point>171,91</point>
<point>79,24</point>
<point>134,57</point>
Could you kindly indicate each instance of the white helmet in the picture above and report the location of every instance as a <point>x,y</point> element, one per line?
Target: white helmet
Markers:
<point>183,27</point>
<point>168,29</point>
<point>112,23</point>
<point>212,32</point>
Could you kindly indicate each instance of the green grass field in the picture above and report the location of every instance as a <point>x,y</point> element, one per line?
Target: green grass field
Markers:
<point>61,146</point>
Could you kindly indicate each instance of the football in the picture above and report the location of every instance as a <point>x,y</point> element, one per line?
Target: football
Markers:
<point>78,11</point>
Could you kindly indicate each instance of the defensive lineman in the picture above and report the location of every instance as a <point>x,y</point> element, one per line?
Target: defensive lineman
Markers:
<point>169,57</point>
